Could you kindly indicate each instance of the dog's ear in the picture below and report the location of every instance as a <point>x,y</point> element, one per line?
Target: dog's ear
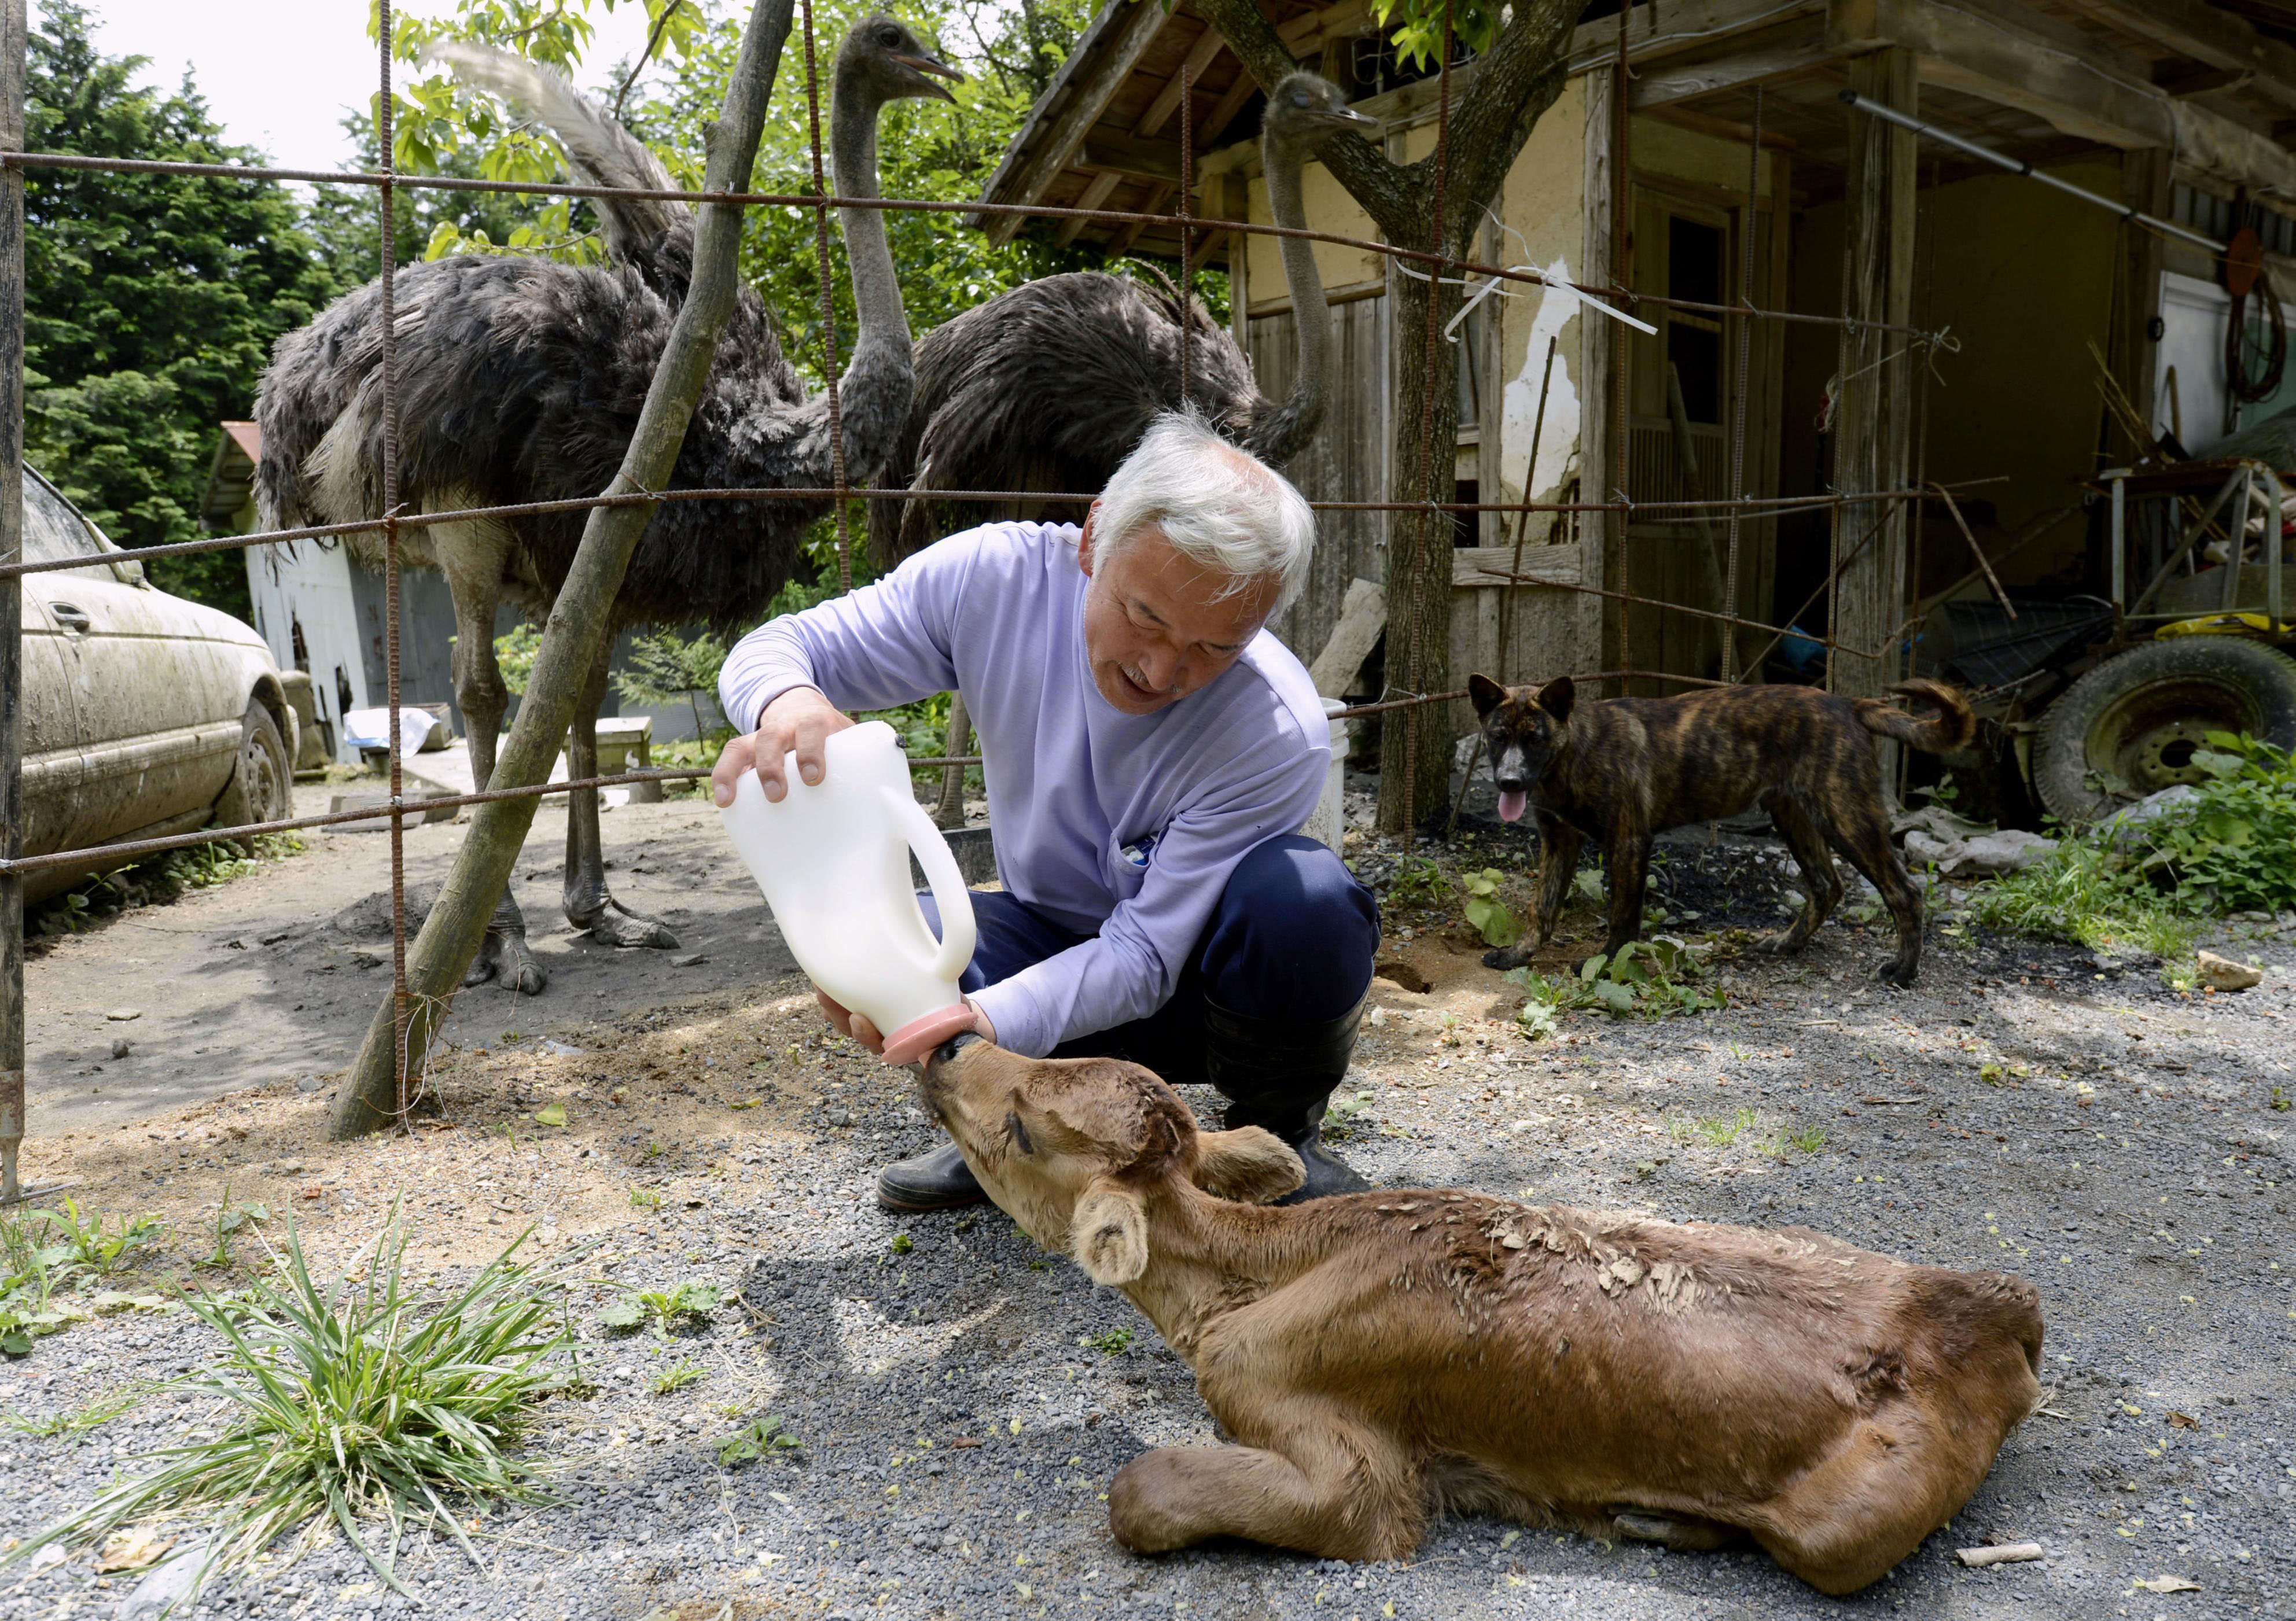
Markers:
<point>1247,1165</point>
<point>1557,697</point>
<point>1109,1232</point>
<point>1484,694</point>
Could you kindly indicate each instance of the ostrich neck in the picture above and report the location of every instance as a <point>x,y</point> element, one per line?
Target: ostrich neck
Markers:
<point>1292,425</point>
<point>876,289</point>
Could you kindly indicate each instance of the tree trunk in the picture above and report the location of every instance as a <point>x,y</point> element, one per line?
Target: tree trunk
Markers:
<point>577,624</point>
<point>1415,744</point>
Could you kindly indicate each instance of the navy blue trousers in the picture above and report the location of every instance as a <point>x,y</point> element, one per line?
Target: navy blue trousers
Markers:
<point>1292,939</point>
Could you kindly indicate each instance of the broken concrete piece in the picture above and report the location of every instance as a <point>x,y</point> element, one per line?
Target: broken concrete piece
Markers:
<point>2005,1553</point>
<point>1980,854</point>
<point>122,1015</point>
<point>2223,974</point>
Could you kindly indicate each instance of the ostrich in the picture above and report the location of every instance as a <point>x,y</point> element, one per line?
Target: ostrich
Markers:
<point>1049,385</point>
<point>522,380</point>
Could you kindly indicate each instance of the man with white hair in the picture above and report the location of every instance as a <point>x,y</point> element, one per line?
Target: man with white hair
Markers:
<point>1150,750</point>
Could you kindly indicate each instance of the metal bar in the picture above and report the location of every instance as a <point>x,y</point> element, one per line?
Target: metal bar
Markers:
<point>1825,641</point>
<point>2236,540</point>
<point>12,602</point>
<point>828,312</point>
<point>1745,359</point>
<point>1977,551</point>
<point>410,520</point>
<point>2277,550</point>
<point>2187,540</point>
<point>230,171</point>
<point>2018,165</point>
<point>1187,234</point>
<point>388,286</point>
<point>2119,544</point>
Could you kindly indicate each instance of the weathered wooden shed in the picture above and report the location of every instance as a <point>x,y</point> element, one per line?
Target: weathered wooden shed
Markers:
<point>2176,109</point>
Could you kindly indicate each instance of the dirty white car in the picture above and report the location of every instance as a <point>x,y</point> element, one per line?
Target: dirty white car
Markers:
<point>144,714</point>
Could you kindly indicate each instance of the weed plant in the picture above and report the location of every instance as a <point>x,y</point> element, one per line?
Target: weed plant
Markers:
<point>2154,884</point>
<point>371,1409</point>
<point>54,1265</point>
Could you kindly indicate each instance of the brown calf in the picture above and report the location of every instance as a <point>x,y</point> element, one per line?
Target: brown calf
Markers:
<point>1384,1356</point>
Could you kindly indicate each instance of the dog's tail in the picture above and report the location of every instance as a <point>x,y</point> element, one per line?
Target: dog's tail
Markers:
<point>1951,728</point>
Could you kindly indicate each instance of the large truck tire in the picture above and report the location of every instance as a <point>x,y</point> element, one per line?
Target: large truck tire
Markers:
<point>2131,726</point>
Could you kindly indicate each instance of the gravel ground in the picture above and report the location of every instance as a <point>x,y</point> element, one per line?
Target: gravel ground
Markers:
<point>963,1400</point>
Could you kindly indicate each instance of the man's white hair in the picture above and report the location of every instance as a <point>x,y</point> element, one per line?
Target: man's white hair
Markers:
<point>1217,505</point>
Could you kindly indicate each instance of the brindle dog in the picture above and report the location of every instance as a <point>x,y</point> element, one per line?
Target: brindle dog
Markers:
<point>1621,770</point>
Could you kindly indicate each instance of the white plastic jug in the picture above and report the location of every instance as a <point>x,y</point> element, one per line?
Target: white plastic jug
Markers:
<point>834,862</point>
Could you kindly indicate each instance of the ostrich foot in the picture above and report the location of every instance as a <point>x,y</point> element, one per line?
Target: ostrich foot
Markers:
<point>504,956</point>
<point>612,923</point>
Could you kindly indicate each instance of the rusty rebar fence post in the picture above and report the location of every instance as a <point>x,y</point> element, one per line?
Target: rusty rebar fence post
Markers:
<point>1187,237</point>
<point>385,128</point>
<point>828,310</point>
<point>12,598</point>
<point>1745,355</point>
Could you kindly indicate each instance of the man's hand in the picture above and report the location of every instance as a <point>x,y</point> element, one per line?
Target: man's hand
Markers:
<point>801,720</point>
<point>857,1025</point>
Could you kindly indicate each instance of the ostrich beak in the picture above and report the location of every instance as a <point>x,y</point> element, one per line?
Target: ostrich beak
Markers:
<point>937,68</point>
<point>1362,123</point>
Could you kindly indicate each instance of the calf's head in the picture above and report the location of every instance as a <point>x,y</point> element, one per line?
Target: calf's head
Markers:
<point>1524,729</point>
<point>1080,1151</point>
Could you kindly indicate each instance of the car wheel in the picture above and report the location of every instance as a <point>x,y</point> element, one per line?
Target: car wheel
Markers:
<point>2131,726</point>
<point>262,785</point>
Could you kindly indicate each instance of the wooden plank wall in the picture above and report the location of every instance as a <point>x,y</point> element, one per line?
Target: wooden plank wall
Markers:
<point>1347,461</point>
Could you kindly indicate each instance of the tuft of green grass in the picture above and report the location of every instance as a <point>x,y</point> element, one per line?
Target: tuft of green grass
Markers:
<point>93,1246</point>
<point>670,1381</point>
<point>1809,1139</point>
<point>646,1198</point>
<point>1714,1134</point>
<point>79,1420</point>
<point>374,1407</point>
<point>1114,1343</point>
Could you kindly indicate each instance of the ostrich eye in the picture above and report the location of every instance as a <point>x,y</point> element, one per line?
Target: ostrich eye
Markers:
<point>889,36</point>
<point>1300,98</point>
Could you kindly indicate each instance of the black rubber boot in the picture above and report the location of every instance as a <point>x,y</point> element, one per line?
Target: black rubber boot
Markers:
<point>938,1181</point>
<point>1278,1074</point>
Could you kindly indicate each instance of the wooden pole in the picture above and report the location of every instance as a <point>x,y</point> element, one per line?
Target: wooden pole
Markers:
<point>11,597</point>
<point>451,935</point>
<point>1876,416</point>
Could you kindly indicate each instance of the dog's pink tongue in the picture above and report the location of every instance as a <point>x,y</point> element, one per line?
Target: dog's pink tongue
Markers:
<point>1511,803</point>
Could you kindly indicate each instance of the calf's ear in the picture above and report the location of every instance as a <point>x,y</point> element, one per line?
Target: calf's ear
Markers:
<point>1484,694</point>
<point>1108,1234</point>
<point>1247,1165</point>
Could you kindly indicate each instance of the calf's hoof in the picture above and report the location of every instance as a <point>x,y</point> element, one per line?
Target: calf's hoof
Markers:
<point>1779,943</point>
<point>1899,974</point>
<point>1507,956</point>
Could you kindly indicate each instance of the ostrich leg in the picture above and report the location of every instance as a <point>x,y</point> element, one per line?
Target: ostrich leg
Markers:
<point>588,903</point>
<point>472,559</point>
<point>950,812</point>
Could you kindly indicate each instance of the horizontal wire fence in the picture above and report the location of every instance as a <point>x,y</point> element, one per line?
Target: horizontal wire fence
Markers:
<point>1609,299</point>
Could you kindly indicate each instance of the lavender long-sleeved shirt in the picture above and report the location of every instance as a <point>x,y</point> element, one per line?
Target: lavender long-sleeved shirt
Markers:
<point>1121,826</point>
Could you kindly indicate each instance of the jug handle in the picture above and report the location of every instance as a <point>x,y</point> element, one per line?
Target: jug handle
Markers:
<point>957,934</point>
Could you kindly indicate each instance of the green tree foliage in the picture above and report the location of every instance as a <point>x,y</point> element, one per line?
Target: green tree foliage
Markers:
<point>151,301</point>
<point>933,150</point>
